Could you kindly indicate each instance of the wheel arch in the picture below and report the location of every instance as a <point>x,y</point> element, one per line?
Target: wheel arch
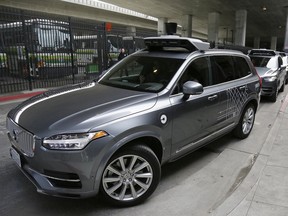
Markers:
<point>255,104</point>
<point>152,142</point>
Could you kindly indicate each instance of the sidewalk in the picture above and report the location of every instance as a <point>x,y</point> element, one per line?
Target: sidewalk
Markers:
<point>20,95</point>
<point>264,191</point>
<point>271,192</point>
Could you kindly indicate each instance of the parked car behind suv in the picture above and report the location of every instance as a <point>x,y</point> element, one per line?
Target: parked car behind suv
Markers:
<point>269,66</point>
<point>285,64</point>
<point>112,136</point>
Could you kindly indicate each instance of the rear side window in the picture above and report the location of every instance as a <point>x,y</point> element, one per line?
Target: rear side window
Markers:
<point>222,69</point>
<point>227,68</point>
<point>242,68</point>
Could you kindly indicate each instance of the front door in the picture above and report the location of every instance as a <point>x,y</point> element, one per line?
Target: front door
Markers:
<point>194,118</point>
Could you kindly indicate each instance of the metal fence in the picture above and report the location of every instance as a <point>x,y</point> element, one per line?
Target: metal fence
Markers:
<point>40,50</point>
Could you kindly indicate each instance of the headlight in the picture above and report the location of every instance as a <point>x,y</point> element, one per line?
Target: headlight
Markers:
<point>71,141</point>
<point>270,79</point>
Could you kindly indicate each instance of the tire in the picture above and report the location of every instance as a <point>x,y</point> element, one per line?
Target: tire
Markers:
<point>282,87</point>
<point>273,98</point>
<point>130,176</point>
<point>245,123</point>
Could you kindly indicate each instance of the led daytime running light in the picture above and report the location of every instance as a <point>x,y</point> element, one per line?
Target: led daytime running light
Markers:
<point>71,141</point>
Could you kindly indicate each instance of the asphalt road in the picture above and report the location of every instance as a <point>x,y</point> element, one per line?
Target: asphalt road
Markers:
<point>194,185</point>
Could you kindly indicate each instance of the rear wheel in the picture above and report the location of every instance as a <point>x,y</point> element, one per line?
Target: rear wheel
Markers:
<point>246,122</point>
<point>131,176</point>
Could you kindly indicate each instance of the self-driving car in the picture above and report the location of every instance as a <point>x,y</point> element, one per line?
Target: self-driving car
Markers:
<point>269,65</point>
<point>111,136</point>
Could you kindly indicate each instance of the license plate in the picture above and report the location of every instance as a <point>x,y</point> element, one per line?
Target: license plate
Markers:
<point>15,156</point>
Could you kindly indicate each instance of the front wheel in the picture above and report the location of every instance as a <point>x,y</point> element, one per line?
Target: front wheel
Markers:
<point>282,87</point>
<point>246,122</point>
<point>273,98</point>
<point>131,176</point>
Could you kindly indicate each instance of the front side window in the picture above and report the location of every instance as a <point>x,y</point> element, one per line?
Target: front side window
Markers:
<point>280,61</point>
<point>197,71</point>
<point>142,73</point>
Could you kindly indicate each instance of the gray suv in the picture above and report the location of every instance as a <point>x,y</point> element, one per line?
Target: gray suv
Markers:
<point>269,65</point>
<point>155,106</point>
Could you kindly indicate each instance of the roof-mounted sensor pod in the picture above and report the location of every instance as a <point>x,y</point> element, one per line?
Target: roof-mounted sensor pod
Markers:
<point>190,44</point>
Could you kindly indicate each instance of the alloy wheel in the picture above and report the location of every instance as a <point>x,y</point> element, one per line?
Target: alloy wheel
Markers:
<point>248,120</point>
<point>127,177</point>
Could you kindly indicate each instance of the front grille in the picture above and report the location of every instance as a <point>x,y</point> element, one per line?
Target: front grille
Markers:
<point>21,139</point>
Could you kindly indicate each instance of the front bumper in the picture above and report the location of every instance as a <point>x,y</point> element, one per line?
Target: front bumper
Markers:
<point>52,184</point>
<point>268,88</point>
<point>69,174</point>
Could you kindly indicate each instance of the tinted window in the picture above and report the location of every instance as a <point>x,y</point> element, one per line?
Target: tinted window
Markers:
<point>222,69</point>
<point>142,73</point>
<point>259,61</point>
<point>198,71</point>
<point>280,61</point>
<point>242,68</point>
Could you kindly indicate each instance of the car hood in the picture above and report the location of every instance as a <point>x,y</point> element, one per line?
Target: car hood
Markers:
<point>78,108</point>
<point>264,71</point>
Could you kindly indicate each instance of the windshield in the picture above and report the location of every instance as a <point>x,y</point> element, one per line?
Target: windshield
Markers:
<point>269,62</point>
<point>260,61</point>
<point>142,73</point>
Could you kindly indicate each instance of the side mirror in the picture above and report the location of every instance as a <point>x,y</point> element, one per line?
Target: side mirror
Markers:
<point>192,88</point>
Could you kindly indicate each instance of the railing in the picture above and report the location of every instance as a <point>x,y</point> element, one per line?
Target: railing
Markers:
<point>40,50</point>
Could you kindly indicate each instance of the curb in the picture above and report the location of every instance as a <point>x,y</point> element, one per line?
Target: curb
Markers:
<point>19,96</point>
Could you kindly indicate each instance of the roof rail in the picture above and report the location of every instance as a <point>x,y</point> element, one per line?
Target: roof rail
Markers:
<point>191,44</point>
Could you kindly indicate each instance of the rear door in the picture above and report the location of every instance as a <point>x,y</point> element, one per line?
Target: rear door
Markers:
<point>228,74</point>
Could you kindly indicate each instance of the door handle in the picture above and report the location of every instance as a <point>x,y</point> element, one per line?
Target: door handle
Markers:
<point>212,98</point>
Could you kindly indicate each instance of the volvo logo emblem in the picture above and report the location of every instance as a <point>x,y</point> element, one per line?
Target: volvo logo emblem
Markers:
<point>15,135</point>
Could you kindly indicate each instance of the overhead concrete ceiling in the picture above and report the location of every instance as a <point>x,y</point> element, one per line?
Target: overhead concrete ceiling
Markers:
<point>260,23</point>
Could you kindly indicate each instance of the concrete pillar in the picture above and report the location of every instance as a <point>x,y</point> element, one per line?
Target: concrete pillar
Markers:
<point>241,22</point>
<point>286,33</point>
<point>213,27</point>
<point>161,26</point>
<point>256,42</point>
<point>131,31</point>
<point>187,26</point>
<point>273,45</point>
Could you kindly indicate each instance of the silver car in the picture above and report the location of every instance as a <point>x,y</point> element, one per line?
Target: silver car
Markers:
<point>155,106</point>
